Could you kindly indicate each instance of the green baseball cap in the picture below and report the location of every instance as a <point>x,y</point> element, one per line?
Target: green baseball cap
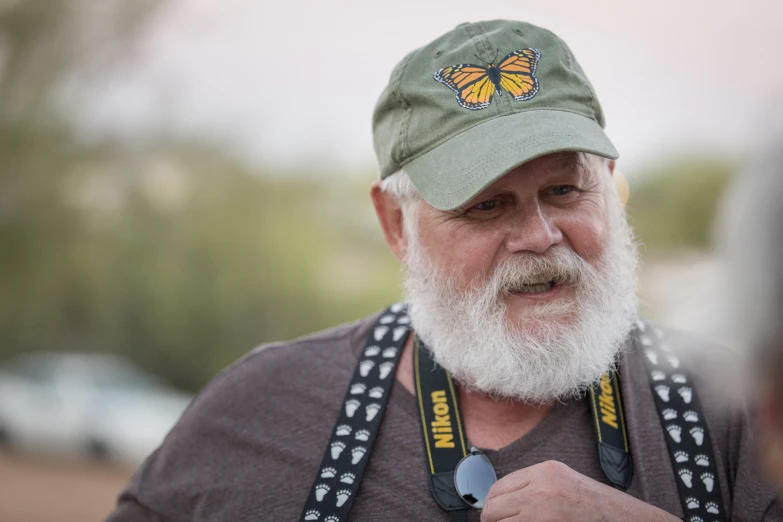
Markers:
<point>479,101</point>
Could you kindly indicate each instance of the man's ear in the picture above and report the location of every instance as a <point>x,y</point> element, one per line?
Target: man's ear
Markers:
<point>620,183</point>
<point>390,217</point>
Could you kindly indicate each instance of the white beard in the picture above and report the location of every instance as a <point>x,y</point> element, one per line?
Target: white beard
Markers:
<point>557,350</point>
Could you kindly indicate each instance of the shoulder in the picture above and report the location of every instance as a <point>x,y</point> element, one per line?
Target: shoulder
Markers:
<point>275,406</point>
<point>273,367</point>
<point>277,378</point>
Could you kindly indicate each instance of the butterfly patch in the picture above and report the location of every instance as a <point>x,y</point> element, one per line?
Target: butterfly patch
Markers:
<point>475,85</point>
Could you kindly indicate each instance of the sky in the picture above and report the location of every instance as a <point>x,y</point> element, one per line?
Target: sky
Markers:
<point>295,82</point>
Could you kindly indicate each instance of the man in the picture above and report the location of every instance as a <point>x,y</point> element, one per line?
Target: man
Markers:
<point>498,196</point>
<point>753,245</point>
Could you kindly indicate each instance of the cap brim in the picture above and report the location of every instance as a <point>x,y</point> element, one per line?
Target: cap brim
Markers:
<point>454,172</point>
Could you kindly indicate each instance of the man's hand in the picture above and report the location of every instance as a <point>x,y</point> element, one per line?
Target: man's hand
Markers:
<point>553,491</point>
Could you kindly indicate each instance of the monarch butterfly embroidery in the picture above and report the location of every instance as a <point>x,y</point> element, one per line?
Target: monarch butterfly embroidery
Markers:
<point>475,84</point>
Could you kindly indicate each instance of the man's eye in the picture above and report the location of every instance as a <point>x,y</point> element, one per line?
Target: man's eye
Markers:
<point>485,206</point>
<point>563,190</point>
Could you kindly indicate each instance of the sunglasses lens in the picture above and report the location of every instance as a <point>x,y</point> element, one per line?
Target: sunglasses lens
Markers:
<point>473,477</point>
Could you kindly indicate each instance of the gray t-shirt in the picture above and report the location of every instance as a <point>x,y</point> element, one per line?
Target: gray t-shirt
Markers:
<point>249,446</point>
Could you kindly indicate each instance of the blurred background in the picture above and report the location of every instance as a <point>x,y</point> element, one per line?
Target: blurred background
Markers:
<point>181,181</point>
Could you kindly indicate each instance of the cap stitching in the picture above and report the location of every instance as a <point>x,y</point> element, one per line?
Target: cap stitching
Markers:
<point>571,59</point>
<point>405,112</point>
<point>493,154</point>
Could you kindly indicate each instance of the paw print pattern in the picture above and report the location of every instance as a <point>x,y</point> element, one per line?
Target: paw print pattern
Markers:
<point>357,453</point>
<point>372,351</point>
<point>336,449</point>
<point>679,378</point>
<point>342,496</point>
<point>680,456</point>
<point>398,332</point>
<point>365,366</point>
<point>372,410</point>
<point>385,369</point>
<point>660,360</point>
<point>698,435</point>
<point>379,332</point>
<point>351,405</point>
<point>686,476</point>
<point>342,430</point>
<point>708,479</point>
<point>663,392</point>
<point>320,491</point>
<point>363,404</point>
<point>669,414</point>
<point>701,460</point>
<point>686,393</point>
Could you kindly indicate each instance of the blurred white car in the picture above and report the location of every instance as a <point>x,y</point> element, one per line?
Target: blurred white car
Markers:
<point>85,405</point>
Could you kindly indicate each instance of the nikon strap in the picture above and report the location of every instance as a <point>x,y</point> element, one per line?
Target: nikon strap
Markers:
<point>686,434</point>
<point>441,429</point>
<point>614,455</point>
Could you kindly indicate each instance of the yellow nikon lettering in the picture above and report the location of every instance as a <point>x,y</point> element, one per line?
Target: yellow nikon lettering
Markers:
<point>441,426</point>
<point>444,441</point>
<point>606,400</point>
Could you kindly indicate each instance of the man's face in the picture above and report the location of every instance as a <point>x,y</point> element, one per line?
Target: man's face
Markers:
<point>553,202</point>
<point>528,290</point>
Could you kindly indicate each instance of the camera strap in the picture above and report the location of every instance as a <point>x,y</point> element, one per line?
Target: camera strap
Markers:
<point>347,454</point>
<point>442,430</point>
<point>684,427</point>
<point>342,466</point>
<point>445,442</point>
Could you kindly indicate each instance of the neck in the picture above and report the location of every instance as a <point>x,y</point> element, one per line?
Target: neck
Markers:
<point>489,423</point>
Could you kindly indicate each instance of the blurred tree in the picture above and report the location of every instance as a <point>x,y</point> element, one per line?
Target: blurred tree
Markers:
<point>178,257</point>
<point>673,207</point>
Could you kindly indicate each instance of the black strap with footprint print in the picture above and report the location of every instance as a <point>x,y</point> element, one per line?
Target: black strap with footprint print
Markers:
<point>346,457</point>
<point>685,431</point>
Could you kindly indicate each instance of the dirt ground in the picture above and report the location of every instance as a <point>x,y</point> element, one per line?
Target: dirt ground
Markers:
<point>46,491</point>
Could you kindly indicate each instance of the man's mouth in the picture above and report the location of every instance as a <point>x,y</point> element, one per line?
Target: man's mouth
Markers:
<point>535,288</point>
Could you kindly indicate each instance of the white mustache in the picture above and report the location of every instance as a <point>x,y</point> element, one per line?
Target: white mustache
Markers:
<point>559,264</point>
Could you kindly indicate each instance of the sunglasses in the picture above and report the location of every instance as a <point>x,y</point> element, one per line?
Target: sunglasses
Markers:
<point>473,477</point>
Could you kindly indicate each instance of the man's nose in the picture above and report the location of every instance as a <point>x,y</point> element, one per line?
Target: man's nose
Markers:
<point>532,230</point>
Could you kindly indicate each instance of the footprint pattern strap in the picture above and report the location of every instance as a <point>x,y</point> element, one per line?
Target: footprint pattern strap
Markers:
<point>343,464</point>
<point>685,431</point>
